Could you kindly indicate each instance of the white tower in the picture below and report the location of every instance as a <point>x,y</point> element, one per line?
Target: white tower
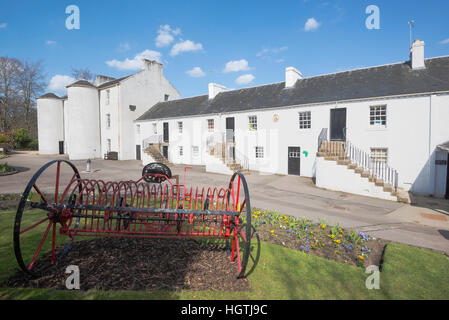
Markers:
<point>50,123</point>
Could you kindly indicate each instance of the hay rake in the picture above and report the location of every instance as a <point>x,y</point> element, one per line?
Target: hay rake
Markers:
<point>152,206</point>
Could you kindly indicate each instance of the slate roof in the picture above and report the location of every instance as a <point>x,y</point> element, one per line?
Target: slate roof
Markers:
<point>49,96</point>
<point>444,146</point>
<point>81,83</point>
<point>109,83</point>
<point>382,81</point>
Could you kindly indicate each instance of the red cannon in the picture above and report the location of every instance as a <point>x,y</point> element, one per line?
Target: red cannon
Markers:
<point>152,206</point>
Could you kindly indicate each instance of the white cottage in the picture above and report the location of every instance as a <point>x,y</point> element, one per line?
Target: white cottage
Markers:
<point>370,131</point>
<point>97,118</point>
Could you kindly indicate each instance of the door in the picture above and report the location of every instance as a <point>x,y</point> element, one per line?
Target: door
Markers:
<point>338,124</point>
<point>61,147</point>
<point>294,161</point>
<point>447,178</point>
<point>230,126</point>
<point>166,135</point>
<point>165,151</point>
<point>138,152</point>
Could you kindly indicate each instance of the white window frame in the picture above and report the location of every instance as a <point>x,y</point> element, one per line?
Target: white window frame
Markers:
<point>210,125</point>
<point>195,151</point>
<point>108,120</point>
<point>305,120</point>
<point>180,127</point>
<point>259,152</point>
<point>108,94</point>
<point>138,128</point>
<point>108,145</point>
<point>252,122</point>
<point>378,116</point>
<point>379,154</point>
<point>181,151</point>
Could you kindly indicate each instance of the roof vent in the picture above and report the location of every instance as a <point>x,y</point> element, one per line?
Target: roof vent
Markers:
<point>215,89</point>
<point>291,76</point>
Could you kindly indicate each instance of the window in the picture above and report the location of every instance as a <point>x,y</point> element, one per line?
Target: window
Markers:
<point>379,155</point>
<point>378,116</point>
<point>210,125</point>
<point>108,120</point>
<point>195,151</point>
<point>138,128</point>
<point>252,122</point>
<point>259,152</point>
<point>155,128</point>
<point>180,126</point>
<point>132,107</point>
<point>108,92</point>
<point>181,151</point>
<point>108,143</point>
<point>305,120</point>
<point>166,97</point>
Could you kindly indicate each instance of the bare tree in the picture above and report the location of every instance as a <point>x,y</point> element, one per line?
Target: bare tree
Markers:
<point>84,74</point>
<point>9,78</point>
<point>31,84</point>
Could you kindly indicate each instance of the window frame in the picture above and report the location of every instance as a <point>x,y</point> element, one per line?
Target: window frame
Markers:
<point>180,127</point>
<point>378,116</point>
<point>211,128</point>
<point>305,120</point>
<point>154,128</point>
<point>259,152</point>
<point>181,151</point>
<point>108,121</point>
<point>108,96</point>
<point>252,124</point>
<point>377,154</point>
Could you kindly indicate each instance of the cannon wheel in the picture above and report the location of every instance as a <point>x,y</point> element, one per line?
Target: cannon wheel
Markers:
<point>246,242</point>
<point>155,168</point>
<point>27,244</point>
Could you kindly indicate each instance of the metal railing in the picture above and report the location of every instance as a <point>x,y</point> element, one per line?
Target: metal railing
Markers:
<point>376,169</point>
<point>322,138</point>
<point>151,140</point>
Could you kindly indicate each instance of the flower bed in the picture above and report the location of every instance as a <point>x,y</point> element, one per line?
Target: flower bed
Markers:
<point>318,238</point>
<point>6,169</point>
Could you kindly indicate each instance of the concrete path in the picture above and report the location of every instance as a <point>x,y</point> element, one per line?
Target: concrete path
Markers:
<point>424,223</point>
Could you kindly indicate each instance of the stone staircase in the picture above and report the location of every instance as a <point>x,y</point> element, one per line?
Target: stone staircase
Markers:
<point>335,151</point>
<point>153,151</point>
<point>219,153</point>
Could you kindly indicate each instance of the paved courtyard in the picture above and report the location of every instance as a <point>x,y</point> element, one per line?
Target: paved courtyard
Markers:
<point>424,223</point>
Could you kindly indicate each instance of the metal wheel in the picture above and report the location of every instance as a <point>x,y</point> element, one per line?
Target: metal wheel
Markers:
<point>32,225</point>
<point>250,248</point>
<point>243,234</point>
<point>156,168</point>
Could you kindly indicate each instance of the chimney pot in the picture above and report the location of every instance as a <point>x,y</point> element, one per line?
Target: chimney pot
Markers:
<point>215,89</point>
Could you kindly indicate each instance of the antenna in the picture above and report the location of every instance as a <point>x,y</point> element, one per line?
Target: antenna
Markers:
<point>411,23</point>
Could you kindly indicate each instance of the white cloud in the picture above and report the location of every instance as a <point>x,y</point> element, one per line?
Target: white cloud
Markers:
<point>59,82</point>
<point>235,66</point>
<point>196,72</point>
<point>50,42</point>
<point>311,24</point>
<point>124,46</point>
<point>3,25</point>
<point>267,51</point>
<point>245,79</point>
<point>165,35</point>
<point>136,62</point>
<point>185,46</point>
<point>445,41</point>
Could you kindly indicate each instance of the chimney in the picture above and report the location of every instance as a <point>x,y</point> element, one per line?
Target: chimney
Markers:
<point>417,55</point>
<point>152,66</point>
<point>291,76</point>
<point>215,89</point>
<point>99,79</point>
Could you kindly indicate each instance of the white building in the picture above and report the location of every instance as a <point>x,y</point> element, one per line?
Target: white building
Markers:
<point>96,118</point>
<point>393,121</point>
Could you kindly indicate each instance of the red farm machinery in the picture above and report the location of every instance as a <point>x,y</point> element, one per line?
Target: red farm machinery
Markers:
<point>49,218</point>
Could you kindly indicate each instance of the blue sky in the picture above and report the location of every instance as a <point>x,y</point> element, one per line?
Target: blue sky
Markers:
<point>218,41</point>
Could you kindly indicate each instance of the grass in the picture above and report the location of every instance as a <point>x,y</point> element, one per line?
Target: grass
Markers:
<point>5,168</point>
<point>407,273</point>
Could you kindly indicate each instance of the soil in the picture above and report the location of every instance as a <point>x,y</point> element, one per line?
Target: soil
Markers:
<point>139,264</point>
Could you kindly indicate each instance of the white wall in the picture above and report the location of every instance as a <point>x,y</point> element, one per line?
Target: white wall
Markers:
<point>113,132</point>
<point>50,124</point>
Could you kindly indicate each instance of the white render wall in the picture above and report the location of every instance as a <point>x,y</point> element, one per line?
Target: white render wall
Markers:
<point>50,115</point>
<point>415,126</point>
<point>83,122</point>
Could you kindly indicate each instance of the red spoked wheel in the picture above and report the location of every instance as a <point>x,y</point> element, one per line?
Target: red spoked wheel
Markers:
<point>245,240</point>
<point>35,229</point>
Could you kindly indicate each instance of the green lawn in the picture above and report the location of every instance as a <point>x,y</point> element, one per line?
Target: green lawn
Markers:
<point>407,273</point>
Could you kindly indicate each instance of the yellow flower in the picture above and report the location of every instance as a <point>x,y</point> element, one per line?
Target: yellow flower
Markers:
<point>337,241</point>
<point>361,258</point>
<point>331,236</point>
<point>272,231</point>
<point>323,226</point>
<point>322,244</point>
<point>346,261</point>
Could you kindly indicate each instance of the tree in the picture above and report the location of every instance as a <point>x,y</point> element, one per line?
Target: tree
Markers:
<point>31,84</point>
<point>84,74</point>
<point>9,78</point>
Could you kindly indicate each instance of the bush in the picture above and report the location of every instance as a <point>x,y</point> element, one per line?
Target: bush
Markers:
<point>21,138</point>
<point>4,138</point>
<point>33,144</point>
<point>4,168</point>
